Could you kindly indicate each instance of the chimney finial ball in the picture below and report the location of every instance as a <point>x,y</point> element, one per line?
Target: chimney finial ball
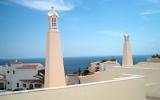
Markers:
<point>52,12</point>
<point>126,34</point>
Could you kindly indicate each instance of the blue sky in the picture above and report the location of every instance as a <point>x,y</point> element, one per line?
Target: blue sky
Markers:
<point>88,27</point>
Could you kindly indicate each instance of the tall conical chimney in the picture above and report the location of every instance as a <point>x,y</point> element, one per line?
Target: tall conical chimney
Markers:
<point>127,53</point>
<point>54,69</point>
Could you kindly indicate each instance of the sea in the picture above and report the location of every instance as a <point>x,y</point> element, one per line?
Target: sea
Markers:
<point>73,64</point>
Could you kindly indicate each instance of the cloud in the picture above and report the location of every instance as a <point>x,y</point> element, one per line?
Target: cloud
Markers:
<point>150,12</point>
<point>154,1</point>
<point>112,33</point>
<point>45,4</point>
<point>147,13</point>
<point>150,8</point>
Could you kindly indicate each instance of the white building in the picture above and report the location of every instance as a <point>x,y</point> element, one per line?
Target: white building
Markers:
<point>2,82</point>
<point>20,75</point>
<point>2,77</point>
<point>103,66</point>
<point>106,65</point>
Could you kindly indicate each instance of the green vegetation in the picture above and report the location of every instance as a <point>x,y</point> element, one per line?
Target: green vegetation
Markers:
<point>82,72</point>
<point>40,75</point>
<point>104,60</point>
<point>85,72</point>
<point>156,56</point>
<point>112,59</point>
<point>78,72</point>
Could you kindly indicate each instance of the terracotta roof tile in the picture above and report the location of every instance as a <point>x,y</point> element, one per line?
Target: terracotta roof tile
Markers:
<point>28,66</point>
<point>17,62</point>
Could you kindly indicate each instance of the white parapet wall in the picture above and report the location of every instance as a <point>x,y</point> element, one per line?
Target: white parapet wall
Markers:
<point>123,88</point>
<point>152,79</point>
<point>151,73</point>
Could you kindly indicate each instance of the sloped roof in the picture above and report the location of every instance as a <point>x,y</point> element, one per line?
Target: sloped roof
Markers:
<point>28,66</point>
<point>17,62</point>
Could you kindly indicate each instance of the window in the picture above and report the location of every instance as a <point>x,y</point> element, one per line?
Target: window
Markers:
<point>31,86</point>
<point>53,22</point>
<point>17,84</point>
<point>8,72</point>
<point>2,86</point>
<point>37,85</point>
<point>13,72</point>
<point>24,85</point>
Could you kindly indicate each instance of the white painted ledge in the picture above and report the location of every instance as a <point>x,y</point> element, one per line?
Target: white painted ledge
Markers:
<point>126,77</point>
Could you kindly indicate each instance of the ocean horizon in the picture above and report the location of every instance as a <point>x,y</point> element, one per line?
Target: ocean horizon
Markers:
<point>72,64</point>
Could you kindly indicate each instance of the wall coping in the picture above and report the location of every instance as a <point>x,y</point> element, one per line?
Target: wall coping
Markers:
<point>127,77</point>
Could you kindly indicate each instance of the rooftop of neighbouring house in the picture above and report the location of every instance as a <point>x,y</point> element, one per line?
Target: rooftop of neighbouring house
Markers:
<point>28,66</point>
<point>21,65</point>
<point>31,81</point>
